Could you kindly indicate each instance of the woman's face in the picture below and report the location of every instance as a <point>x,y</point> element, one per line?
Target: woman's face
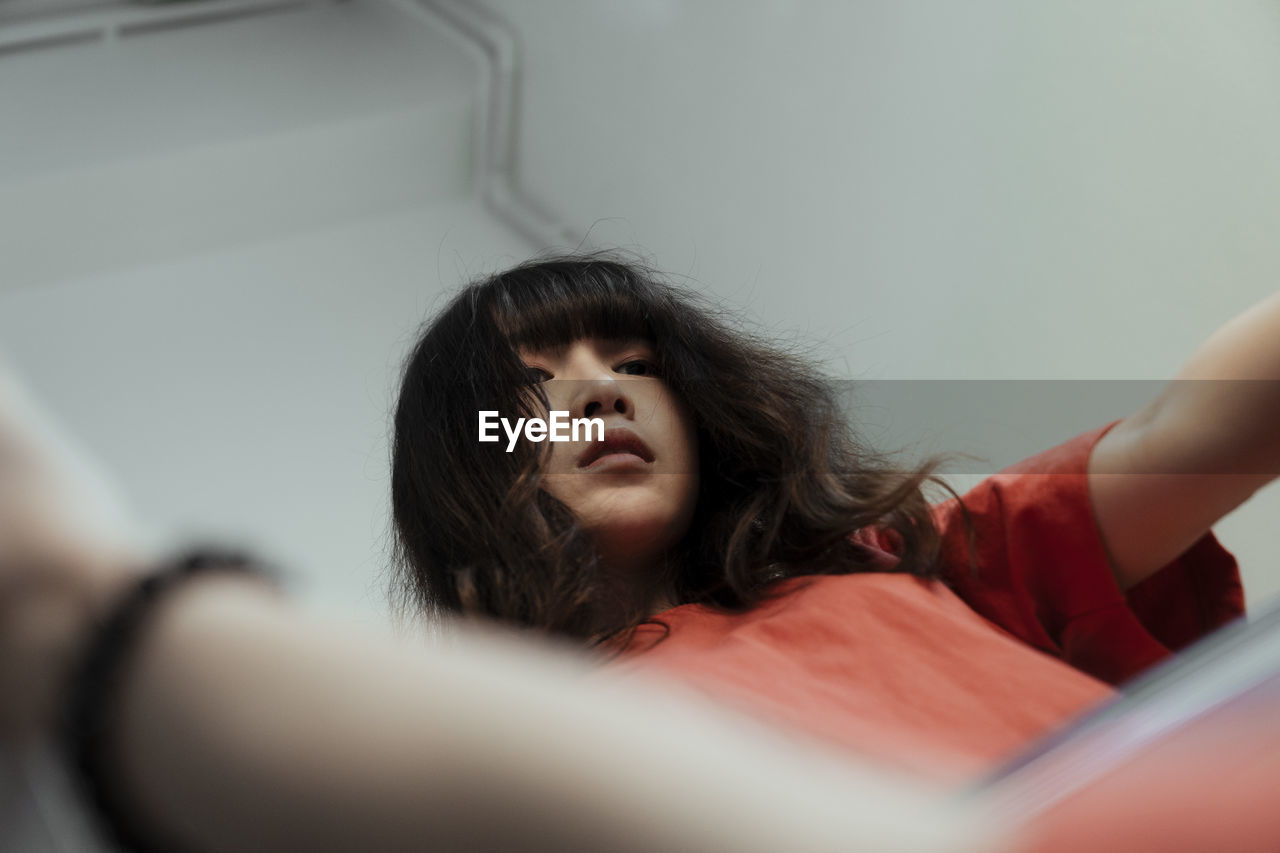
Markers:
<point>637,489</point>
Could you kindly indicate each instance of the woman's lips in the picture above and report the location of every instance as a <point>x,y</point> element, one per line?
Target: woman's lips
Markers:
<point>616,461</point>
<point>620,447</point>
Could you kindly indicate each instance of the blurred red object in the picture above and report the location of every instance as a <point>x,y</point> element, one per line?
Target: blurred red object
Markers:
<point>1211,785</point>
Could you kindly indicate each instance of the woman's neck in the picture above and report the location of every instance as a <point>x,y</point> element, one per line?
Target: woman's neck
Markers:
<point>639,590</point>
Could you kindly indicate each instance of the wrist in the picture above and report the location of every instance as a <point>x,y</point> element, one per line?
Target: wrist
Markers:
<point>48,618</point>
<point>106,662</point>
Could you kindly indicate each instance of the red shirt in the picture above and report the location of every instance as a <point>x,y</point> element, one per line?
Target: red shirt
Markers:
<point>949,677</point>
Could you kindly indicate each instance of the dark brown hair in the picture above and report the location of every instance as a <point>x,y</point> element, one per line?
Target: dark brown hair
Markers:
<point>784,480</point>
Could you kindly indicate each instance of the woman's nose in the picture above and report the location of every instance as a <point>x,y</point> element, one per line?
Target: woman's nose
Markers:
<point>608,398</point>
<point>598,397</point>
<point>593,388</point>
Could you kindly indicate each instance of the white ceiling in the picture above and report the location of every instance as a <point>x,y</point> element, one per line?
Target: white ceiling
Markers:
<point>167,141</point>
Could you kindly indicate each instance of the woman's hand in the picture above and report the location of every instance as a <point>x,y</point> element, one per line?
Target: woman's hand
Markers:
<point>67,546</point>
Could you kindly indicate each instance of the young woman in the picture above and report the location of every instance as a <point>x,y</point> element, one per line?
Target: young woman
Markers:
<point>731,530</point>
<point>752,475</point>
<point>789,572</point>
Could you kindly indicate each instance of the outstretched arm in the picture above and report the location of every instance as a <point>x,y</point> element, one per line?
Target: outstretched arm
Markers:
<point>247,724</point>
<point>251,727</point>
<point>1163,476</point>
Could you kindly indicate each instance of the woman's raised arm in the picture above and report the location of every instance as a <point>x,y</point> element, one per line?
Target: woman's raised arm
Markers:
<point>1163,476</point>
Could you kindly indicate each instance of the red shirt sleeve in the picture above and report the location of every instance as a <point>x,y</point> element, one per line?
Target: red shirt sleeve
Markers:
<point>1042,573</point>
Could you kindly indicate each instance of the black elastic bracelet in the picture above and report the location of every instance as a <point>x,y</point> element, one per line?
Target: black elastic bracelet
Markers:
<point>89,722</point>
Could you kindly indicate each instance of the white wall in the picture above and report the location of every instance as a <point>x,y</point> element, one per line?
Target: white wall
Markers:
<point>245,394</point>
<point>920,190</point>
<point>182,134</point>
<point>218,242</point>
<point>217,245</point>
<point>928,189</point>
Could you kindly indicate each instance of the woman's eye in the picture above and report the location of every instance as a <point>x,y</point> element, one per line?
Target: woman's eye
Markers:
<point>638,367</point>
<point>537,375</point>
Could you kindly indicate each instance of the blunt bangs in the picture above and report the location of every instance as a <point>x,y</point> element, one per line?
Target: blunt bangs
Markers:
<point>552,304</point>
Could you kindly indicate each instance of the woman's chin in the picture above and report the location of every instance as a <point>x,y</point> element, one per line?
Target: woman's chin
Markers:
<point>632,522</point>
<point>641,533</point>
